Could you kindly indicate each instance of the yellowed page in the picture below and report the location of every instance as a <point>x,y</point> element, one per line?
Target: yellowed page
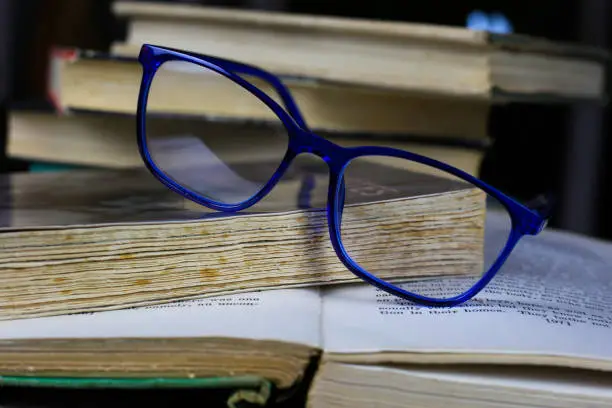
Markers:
<point>553,298</point>
<point>285,315</point>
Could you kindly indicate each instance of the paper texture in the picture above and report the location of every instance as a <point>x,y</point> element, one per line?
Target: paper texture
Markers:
<point>285,315</point>
<point>539,381</point>
<point>553,297</point>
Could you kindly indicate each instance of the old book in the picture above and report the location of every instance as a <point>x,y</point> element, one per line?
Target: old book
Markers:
<point>103,139</point>
<point>98,81</point>
<point>538,335</point>
<point>83,241</point>
<point>272,335</point>
<point>421,58</point>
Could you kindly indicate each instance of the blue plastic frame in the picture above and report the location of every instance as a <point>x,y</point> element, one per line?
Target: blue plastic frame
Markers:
<point>525,221</point>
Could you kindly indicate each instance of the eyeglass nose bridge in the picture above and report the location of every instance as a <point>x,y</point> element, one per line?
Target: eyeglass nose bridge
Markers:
<point>309,142</point>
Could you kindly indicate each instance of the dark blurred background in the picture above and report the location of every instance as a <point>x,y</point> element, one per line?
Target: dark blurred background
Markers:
<point>563,148</point>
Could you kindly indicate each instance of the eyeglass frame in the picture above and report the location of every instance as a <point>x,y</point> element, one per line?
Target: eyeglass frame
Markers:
<point>525,220</point>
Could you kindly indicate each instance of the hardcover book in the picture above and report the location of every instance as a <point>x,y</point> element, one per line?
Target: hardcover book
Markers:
<point>80,79</point>
<point>447,61</point>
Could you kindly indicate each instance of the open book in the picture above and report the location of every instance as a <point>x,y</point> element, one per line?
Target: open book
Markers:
<point>550,306</point>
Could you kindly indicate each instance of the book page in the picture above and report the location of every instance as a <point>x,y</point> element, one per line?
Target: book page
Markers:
<point>290,315</point>
<point>553,297</point>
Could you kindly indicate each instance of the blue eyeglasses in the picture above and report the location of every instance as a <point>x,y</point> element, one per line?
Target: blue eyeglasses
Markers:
<point>197,166</point>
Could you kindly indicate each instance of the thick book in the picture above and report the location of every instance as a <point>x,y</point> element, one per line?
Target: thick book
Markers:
<point>538,335</point>
<point>80,79</point>
<point>94,240</point>
<point>103,139</point>
<point>422,58</point>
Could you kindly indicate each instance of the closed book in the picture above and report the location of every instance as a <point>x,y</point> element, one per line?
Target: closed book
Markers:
<point>427,59</point>
<point>93,240</point>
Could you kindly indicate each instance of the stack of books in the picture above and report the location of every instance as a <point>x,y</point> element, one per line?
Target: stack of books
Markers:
<point>392,83</point>
<point>111,280</point>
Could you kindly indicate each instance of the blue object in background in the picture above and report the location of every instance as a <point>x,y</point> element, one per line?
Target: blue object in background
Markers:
<point>494,22</point>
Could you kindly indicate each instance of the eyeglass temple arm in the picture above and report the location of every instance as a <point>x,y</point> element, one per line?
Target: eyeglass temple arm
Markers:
<point>543,204</point>
<point>288,100</point>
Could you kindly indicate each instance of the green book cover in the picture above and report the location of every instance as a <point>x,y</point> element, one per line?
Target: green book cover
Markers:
<point>244,390</point>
